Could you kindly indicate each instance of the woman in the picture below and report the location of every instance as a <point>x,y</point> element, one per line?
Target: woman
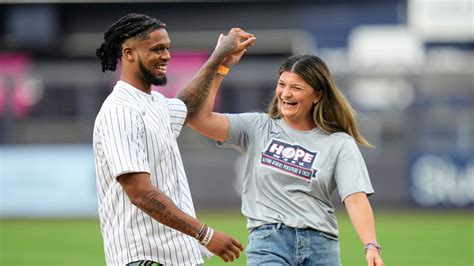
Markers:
<point>297,154</point>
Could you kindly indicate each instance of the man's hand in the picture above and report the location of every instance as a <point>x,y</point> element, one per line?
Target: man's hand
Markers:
<point>196,91</point>
<point>224,246</point>
<point>232,46</point>
<point>233,58</point>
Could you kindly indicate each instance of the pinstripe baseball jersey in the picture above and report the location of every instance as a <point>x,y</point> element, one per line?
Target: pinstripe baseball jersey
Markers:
<point>136,132</point>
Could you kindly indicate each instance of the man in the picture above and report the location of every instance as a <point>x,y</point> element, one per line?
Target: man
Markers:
<point>145,208</point>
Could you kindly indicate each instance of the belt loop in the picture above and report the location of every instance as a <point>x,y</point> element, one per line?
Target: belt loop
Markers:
<point>279,225</point>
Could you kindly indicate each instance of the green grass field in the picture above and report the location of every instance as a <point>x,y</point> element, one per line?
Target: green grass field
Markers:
<point>407,237</point>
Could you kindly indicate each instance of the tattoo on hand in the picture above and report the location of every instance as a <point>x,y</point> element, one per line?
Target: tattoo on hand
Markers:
<point>154,206</point>
<point>228,47</point>
<point>197,90</point>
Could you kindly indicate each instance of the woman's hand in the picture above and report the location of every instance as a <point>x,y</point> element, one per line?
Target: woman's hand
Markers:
<point>373,257</point>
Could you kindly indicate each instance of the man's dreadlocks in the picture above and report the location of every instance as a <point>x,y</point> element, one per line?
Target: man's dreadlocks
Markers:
<point>131,25</point>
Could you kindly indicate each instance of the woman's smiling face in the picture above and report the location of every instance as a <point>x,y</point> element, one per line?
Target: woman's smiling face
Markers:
<point>296,99</point>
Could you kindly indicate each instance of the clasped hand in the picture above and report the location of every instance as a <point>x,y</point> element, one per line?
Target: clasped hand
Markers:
<point>233,45</point>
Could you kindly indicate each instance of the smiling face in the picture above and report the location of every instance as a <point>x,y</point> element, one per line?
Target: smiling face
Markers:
<point>296,100</point>
<point>145,59</point>
<point>153,56</point>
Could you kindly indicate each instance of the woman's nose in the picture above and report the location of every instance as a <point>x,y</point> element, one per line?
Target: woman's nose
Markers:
<point>286,93</point>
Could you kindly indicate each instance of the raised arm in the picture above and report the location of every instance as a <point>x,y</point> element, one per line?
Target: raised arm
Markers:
<point>362,218</point>
<point>160,207</point>
<point>194,93</point>
<point>211,124</point>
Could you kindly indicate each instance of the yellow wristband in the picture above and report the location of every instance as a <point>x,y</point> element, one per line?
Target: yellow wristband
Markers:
<point>222,70</point>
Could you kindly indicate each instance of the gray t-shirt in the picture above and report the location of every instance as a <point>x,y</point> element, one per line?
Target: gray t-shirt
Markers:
<point>290,174</point>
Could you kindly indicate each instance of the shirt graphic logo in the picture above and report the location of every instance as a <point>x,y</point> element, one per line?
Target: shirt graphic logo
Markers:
<point>275,132</point>
<point>292,159</point>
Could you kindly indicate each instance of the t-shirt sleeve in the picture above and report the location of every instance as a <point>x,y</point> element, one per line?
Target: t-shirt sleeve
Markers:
<point>351,171</point>
<point>178,112</point>
<point>123,141</point>
<point>241,129</point>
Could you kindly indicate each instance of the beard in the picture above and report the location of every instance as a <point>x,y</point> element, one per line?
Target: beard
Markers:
<point>150,78</point>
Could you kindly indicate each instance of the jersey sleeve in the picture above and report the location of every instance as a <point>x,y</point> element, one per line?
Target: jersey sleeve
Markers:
<point>241,128</point>
<point>178,112</point>
<point>351,173</point>
<point>123,141</point>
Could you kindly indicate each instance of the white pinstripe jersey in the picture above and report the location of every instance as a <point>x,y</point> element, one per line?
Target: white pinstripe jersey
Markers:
<point>136,132</point>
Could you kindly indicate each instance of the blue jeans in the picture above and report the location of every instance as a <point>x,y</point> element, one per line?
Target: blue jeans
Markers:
<point>278,244</point>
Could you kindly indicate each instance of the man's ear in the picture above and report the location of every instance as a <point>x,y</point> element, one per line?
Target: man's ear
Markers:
<point>128,53</point>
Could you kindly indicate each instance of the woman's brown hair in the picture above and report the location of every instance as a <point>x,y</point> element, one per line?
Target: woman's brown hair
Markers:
<point>332,113</point>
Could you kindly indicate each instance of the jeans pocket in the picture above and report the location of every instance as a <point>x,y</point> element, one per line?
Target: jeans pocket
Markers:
<point>261,232</point>
<point>328,236</point>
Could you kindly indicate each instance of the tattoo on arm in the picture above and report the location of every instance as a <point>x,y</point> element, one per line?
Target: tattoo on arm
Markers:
<point>197,90</point>
<point>154,206</point>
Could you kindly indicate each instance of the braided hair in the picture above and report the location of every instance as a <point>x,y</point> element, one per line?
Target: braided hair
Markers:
<point>131,25</point>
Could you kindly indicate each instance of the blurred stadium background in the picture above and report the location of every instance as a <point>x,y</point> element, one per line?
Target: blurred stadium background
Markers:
<point>407,66</point>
